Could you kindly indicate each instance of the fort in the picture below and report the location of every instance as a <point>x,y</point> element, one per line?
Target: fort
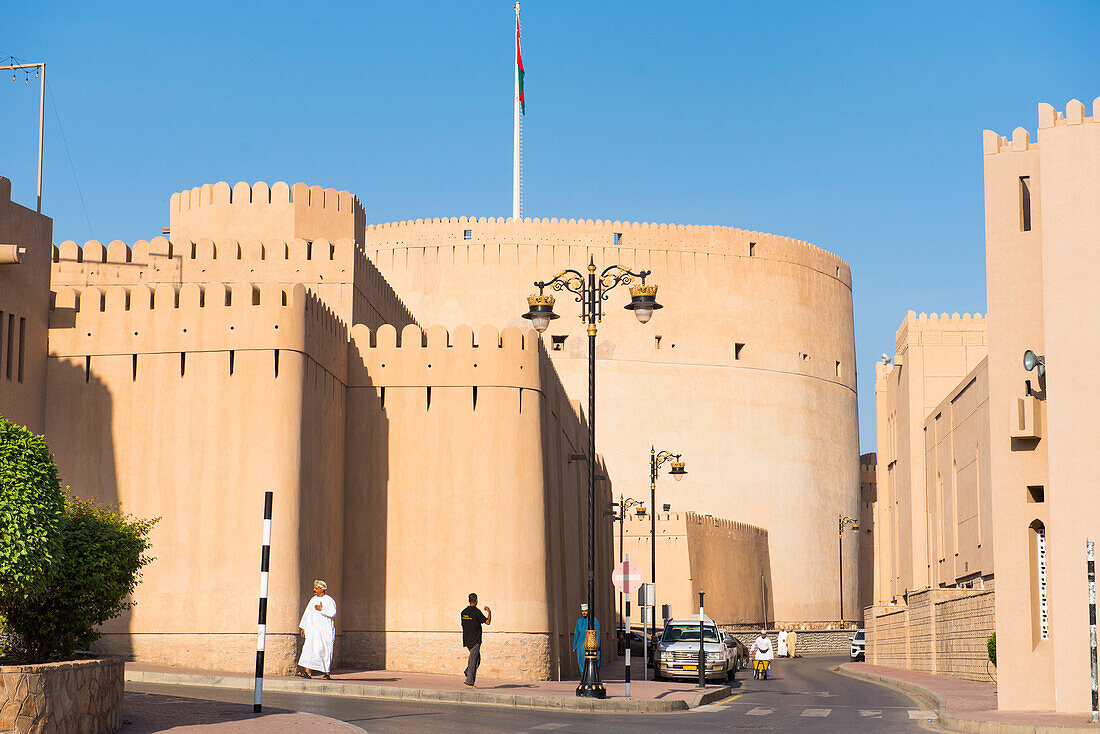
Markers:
<point>272,341</point>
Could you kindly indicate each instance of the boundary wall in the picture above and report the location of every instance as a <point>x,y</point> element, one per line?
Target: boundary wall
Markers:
<point>940,631</point>
<point>728,560</point>
<point>754,349</point>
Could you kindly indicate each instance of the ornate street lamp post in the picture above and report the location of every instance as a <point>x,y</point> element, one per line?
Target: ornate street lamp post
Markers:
<point>591,292</point>
<point>843,521</point>
<point>678,471</point>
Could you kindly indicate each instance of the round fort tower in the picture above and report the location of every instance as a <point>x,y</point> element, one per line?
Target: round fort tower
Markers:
<point>748,371</point>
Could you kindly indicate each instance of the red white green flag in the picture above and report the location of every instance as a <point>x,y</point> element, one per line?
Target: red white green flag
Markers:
<point>519,70</point>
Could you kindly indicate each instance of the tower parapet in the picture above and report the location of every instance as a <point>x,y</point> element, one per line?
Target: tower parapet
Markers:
<point>278,211</point>
<point>1049,118</point>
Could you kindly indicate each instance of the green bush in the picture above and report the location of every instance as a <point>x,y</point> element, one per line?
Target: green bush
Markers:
<point>99,566</point>
<point>31,505</point>
<point>991,648</point>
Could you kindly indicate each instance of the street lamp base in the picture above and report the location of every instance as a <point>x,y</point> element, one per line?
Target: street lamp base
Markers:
<point>590,686</point>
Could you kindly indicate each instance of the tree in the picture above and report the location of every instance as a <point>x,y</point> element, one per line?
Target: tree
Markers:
<point>99,566</point>
<point>31,506</point>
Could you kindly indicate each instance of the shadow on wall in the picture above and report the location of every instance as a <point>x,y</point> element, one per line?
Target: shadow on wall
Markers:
<point>79,414</point>
<point>365,511</point>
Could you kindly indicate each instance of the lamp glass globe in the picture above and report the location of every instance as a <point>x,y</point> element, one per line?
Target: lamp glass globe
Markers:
<point>644,314</point>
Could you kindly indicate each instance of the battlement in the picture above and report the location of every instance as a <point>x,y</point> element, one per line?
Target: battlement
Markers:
<point>992,143</point>
<point>636,524</point>
<point>192,318</point>
<point>436,357</point>
<point>316,263</point>
<point>278,211</point>
<point>644,236</point>
<point>938,330</point>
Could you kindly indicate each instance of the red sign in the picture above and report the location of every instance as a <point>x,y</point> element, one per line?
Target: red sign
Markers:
<point>627,577</point>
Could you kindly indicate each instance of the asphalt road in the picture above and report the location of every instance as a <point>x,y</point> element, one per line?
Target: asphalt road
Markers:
<point>803,695</point>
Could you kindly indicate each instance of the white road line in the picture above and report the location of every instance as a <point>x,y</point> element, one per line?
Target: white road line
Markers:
<point>923,715</point>
<point>758,711</point>
<point>870,713</point>
<point>549,726</point>
<point>816,712</point>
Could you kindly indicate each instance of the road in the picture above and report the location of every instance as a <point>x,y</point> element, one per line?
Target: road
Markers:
<point>803,695</point>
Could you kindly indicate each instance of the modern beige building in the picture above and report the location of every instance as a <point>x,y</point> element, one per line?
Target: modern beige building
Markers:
<point>1042,262</point>
<point>748,371</point>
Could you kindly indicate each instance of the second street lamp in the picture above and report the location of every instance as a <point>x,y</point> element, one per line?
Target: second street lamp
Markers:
<point>678,471</point>
<point>591,291</point>
<point>622,506</point>
<point>843,521</point>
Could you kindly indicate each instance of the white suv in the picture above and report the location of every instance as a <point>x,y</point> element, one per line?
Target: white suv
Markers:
<point>678,654</point>
<point>859,646</point>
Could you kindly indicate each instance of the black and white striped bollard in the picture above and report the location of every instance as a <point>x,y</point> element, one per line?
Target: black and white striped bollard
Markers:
<point>265,557</point>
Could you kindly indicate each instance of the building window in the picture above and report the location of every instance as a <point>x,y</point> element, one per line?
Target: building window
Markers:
<point>656,342</point>
<point>467,234</point>
<point>1025,203</point>
<point>557,342</point>
<point>618,238</point>
<point>838,369</point>
<point>1036,494</point>
<point>9,353</point>
<point>804,356</point>
<point>752,249</point>
<point>22,345</point>
<point>1039,600</point>
<point>737,347</point>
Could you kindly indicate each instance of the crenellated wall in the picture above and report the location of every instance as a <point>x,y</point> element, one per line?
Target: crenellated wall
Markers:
<point>471,491</point>
<point>749,370</point>
<point>337,271</point>
<point>266,212</point>
<point>188,405</point>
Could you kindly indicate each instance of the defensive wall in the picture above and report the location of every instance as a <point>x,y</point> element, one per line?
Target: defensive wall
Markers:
<point>24,309</point>
<point>749,370</point>
<point>405,472</point>
<point>868,495</point>
<point>1041,264</point>
<point>728,560</point>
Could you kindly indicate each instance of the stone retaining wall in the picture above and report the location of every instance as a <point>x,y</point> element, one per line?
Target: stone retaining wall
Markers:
<point>941,631</point>
<point>810,643</point>
<point>62,698</point>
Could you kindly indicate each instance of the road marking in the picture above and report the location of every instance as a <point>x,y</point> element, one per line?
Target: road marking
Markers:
<point>816,712</point>
<point>870,713</point>
<point>758,711</point>
<point>923,715</point>
<point>549,727</point>
<point>821,694</point>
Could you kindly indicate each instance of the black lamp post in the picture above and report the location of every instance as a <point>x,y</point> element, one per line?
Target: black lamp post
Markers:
<point>623,505</point>
<point>591,292</point>
<point>843,521</point>
<point>678,471</point>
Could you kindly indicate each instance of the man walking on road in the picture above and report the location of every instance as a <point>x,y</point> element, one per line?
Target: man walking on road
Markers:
<point>472,619</point>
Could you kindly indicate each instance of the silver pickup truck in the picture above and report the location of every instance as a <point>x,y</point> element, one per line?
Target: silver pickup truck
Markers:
<point>678,653</point>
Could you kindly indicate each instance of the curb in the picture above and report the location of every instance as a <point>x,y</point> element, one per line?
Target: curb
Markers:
<point>362,690</point>
<point>955,723</point>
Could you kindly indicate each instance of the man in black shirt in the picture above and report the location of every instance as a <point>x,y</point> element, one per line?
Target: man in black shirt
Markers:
<point>472,619</point>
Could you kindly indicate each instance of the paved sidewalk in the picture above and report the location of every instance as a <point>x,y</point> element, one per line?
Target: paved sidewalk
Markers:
<point>645,696</point>
<point>970,706</point>
<point>145,713</point>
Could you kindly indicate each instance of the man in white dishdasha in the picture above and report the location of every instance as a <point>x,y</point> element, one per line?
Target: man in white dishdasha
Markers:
<point>319,630</point>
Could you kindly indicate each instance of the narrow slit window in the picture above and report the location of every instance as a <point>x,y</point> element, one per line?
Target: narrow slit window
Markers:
<point>838,369</point>
<point>276,363</point>
<point>618,238</point>
<point>183,363</point>
<point>22,346</point>
<point>656,342</point>
<point>133,368</point>
<point>1025,203</point>
<point>737,348</point>
<point>10,345</point>
<point>232,356</point>
<point>467,234</point>
<point>428,404</point>
<point>1,337</point>
<point>752,249</point>
<point>1036,494</point>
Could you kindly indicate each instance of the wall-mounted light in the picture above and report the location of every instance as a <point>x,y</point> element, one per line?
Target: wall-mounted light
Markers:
<point>1033,360</point>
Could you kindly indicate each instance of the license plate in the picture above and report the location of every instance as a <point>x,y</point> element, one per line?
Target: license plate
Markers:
<point>690,667</point>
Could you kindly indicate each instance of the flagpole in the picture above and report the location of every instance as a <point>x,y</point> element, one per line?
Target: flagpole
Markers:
<point>516,127</point>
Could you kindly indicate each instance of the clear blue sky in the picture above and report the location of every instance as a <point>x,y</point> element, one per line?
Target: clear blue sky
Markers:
<point>855,126</point>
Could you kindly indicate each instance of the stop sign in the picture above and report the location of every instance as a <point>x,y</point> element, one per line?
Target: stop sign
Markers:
<point>627,577</point>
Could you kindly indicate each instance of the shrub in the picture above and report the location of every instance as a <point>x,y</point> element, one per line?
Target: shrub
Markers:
<point>991,648</point>
<point>98,567</point>
<point>31,505</point>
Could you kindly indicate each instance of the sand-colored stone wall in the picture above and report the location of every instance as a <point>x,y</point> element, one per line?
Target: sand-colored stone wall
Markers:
<point>728,560</point>
<point>24,310</point>
<point>868,496</point>
<point>1041,227</point>
<point>746,315</point>
<point>933,353</point>
<point>940,631</point>
<point>76,696</point>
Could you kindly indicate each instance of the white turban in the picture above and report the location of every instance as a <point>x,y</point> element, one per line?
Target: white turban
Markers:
<point>321,585</point>
<point>584,607</point>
